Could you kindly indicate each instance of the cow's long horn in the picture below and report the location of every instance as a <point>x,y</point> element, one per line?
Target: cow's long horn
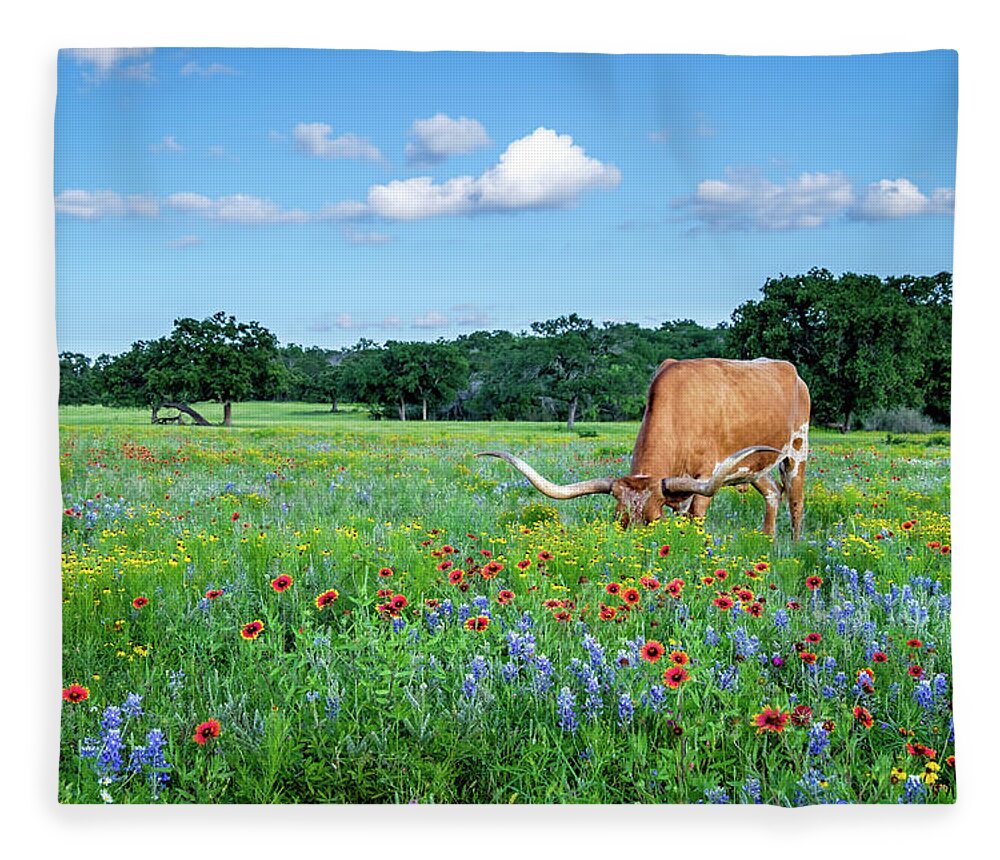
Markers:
<point>723,475</point>
<point>553,491</point>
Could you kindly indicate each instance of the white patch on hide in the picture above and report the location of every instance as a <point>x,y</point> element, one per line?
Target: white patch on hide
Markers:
<point>634,502</point>
<point>797,453</point>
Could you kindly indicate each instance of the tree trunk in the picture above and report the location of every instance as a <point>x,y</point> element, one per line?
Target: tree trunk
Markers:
<point>572,414</point>
<point>180,407</point>
<point>402,409</point>
<point>333,406</point>
<point>227,414</point>
<point>848,417</point>
<point>425,409</point>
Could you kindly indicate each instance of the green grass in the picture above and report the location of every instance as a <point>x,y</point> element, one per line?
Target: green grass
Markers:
<point>338,705</point>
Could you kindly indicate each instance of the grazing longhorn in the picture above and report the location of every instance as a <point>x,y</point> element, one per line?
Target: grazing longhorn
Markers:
<point>709,423</point>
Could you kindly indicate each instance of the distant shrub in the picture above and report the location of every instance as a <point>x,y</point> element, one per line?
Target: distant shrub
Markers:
<point>900,419</point>
<point>587,433</point>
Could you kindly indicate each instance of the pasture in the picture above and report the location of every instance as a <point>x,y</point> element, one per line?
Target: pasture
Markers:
<point>271,614</point>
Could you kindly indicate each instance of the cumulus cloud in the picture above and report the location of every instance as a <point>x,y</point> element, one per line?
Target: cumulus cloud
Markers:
<point>168,144</point>
<point>236,209</point>
<point>440,137</point>
<point>544,170</point>
<point>184,242</point>
<point>432,319</point>
<point>195,68</point>
<point>314,138</point>
<point>349,322</point>
<point>102,62</point>
<point>900,198</point>
<point>745,200</point>
<point>93,205</point>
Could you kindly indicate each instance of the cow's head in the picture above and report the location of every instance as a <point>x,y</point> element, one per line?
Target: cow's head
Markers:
<point>642,498</point>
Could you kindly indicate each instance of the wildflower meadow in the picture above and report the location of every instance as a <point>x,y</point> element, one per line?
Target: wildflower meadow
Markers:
<point>321,608</point>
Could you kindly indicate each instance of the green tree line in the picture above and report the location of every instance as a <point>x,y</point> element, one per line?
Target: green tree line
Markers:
<point>860,342</point>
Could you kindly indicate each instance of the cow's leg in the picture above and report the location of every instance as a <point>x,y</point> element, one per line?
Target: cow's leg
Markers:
<point>699,506</point>
<point>769,489</point>
<point>794,473</point>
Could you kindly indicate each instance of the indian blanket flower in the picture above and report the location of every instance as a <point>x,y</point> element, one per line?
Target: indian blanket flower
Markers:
<point>631,596</point>
<point>674,587</point>
<point>75,693</point>
<point>813,582</point>
<point>801,715</point>
<point>916,671</point>
<point>140,601</point>
<point>650,582</point>
<point>252,630</point>
<point>612,588</point>
<point>607,613</point>
<point>524,564</point>
<point>398,602</point>
<point>770,720</point>
<point>545,555</point>
<point>212,593</point>
<point>664,551</point>
<point>679,658</point>
<point>879,657</point>
<point>385,571</point>
<point>760,567</point>
<point>914,643</point>
<point>491,569</point>
<point>863,717</point>
<point>813,638</point>
<point>444,565</point>
<point>478,623</point>
<point>675,676</point>
<point>505,597</point>
<point>206,730</point>
<point>723,603</point>
<point>326,598</point>
<point>281,583</point>
<point>456,576</point>
<point>651,651</point>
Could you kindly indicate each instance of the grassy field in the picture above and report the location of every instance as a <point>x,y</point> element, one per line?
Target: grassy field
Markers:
<point>271,613</point>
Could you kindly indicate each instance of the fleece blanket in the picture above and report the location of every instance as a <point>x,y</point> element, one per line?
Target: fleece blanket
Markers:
<point>505,428</point>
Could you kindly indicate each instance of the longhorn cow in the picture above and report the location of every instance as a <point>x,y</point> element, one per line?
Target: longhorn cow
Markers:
<point>709,423</point>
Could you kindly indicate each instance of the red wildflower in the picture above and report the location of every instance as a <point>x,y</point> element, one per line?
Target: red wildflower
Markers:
<point>431,602</point>
<point>723,602</point>
<point>607,613</point>
<point>206,730</point>
<point>945,550</point>
<point>491,569</point>
<point>920,749</point>
<point>398,602</point>
<point>744,594</point>
<point>793,604</point>
<point>444,565</point>
<point>650,582</point>
<point>477,623</point>
<point>524,564</point>
<point>506,596</point>
<point>651,651</point>
<point>252,630</point>
<point>934,544</point>
<point>612,588</point>
<point>545,555</point>
<point>212,593</point>
<point>916,671</point>
<point>760,566</point>
<point>562,616</point>
<point>914,643</point>
<point>236,516</point>
<point>140,601</point>
<point>909,524</point>
<point>75,693</point>
<point>721,574</point>
<point>813,582</point>
<point>807,657</point>
<point>664,551</point>
<point>673,588</point>
<point>813,637</point>
<point>675,676</point>
<point>456,576</point>
<point>385,571</point>
<point>756,609</point>
<point>327,597</point>
<point>679,658</point>
<point>485,552</point>
<point>880,657</point>
<point>707,580</point>
<point>280,583</point>
<point>950,761</point>
<point>802,715</point>
<point>384,592</point>
<point>770,720</point>
<point>863,716</point>
<point>631,596</point>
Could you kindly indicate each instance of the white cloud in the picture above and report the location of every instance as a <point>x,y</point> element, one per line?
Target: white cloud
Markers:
<point>237,209</point>
<point>184,242</point>
<point>900,198</point>
<point>745,200</point>
<point>103,62</point>
<point>470,315</point>
<point>313,138</point>
<point>440,137</point>
<point>366,237</point>
<point>431,319</point>
<point>168,144</point>
<point>346,210</point>
<point>544,170</point>
<point>92,205</point>
<point>194,68</point>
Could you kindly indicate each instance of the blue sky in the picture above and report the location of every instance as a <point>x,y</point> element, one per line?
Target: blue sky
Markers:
<point>338,195</point>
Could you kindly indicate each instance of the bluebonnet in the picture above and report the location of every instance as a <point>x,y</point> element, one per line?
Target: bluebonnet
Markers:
<point>433,620</point>
<point>914,790</point>
<point>446,608</point>
<point>469,686</point>
<point>711,637</point>
<point>751,788</point>
<point>923,695</point>
<point>463,613</point>
<point>175,681</point>
<point>332,707</point>
<point>781,619</point>
<point>655,698</point>
<point>526,622</point>
<point>543,673</point>
<point>941,685</point>
<point>726,678</point>
<point>565,702</point>
<point>479,667</point>
<point>595,651</point>
<point>746,645</point>
<point>716,795</point>
<point>819,740</point>
<point>625,709</point>
<point>509,671</point>
<point>312,695</point>
<point>593,704</point>
<point>398,623</point>
<point>481,603</point>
